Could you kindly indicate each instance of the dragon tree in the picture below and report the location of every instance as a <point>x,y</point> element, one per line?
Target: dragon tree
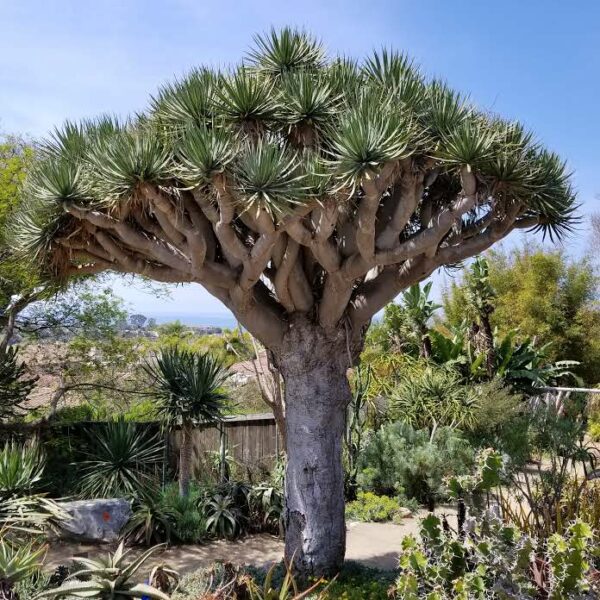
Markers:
<point>305,192</point>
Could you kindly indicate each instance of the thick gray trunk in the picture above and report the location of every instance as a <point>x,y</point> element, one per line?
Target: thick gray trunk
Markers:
<point>314,367</point>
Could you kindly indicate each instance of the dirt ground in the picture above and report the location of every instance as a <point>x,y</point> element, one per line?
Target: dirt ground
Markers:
<point>374,544</point>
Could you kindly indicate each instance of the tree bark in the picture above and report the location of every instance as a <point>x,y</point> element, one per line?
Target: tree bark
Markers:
<point>59,393</point>
<point>314,364</point>
<point>185,460</point>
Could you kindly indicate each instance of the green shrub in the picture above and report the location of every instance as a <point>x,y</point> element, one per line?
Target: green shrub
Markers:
<point>400,460</point>
<point>355,582</point>
<point>358,582</point>
<point>84,412</point>
<point>594,431</point>
<point>142,412</point>
<point>371,508</point>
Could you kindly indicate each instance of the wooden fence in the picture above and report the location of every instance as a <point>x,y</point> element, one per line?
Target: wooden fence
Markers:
<point>252,445</point>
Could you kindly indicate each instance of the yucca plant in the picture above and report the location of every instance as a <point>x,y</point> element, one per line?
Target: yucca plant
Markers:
<point>419,309</point>
<point>18,562</point>
<point>109,578</point>
<point>305,192</point>
<point>189,390</point>
<point>124,461</point>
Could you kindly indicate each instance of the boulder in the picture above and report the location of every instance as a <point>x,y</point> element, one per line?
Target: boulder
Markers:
<point>95,520</point>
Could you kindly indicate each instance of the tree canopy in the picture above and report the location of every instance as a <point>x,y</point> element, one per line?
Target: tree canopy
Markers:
<point>293,182</point>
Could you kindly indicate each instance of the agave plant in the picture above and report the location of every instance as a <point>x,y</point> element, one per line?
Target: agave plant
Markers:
<point>151,521</point>
<point>17,563</point>
<point>108,578</point>
<point>123,463</point>
<point>21,468</point>
<point>22,507</point>
<point>223,517</point>
<point>267,502</point>
<point>189,389</point>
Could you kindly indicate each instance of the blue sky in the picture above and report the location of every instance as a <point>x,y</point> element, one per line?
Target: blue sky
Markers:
<point>533,60</point>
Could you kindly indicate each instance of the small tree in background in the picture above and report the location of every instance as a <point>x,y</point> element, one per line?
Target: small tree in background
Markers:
<point>15,386</point>
<point>305,192</point>
<point>20,282</point>
<point>189,390</point>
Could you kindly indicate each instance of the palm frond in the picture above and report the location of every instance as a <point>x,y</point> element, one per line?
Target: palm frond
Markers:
<point>123,161</point>
<point>289,49</point>
<point>203,152</point>
<point>370,135</point>
<point>269,176</point>
<point>188,102</point>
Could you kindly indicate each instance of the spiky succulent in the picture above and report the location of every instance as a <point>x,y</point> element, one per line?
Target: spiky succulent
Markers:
<point>364,165</point>
<point>112,577</point>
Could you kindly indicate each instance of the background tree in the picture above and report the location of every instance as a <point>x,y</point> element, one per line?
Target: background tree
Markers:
<point>305,192</point>
<point>76,337</point>
<point>545,296</point>
<point>15,384</point>
<point>189,389</point>
<point>19,282</point>
<point>595,237</point>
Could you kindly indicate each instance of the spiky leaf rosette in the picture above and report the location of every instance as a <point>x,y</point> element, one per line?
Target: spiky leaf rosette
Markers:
<point>292,183</point>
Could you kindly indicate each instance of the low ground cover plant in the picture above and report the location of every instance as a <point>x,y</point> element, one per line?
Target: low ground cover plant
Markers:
<point>370,507</point>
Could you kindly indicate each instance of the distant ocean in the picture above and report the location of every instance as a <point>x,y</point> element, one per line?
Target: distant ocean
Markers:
<point>223,320</point>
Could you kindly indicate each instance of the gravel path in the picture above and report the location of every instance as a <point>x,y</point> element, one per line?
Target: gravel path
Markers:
<point>374,544</point>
